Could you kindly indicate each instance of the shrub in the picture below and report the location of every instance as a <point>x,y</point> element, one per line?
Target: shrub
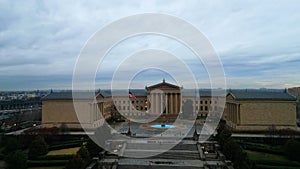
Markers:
<point>93,148</point>
<point>37,148</point>
<point>55,157</point>
<point>11,145</point>
<point>76,163</point>
<point>65,145</point>
<point>46,163</point>
<point>292,150</point>
<point>16,160</point>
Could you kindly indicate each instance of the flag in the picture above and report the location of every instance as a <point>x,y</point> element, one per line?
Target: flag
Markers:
<point>131,95</point>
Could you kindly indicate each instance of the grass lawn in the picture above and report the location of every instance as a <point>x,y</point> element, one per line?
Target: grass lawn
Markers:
<point>64,151</point>
<point>271,159</point>
<point>55,167</point>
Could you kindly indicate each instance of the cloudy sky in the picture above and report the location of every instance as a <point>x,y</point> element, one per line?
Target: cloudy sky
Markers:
<point>257,41</point>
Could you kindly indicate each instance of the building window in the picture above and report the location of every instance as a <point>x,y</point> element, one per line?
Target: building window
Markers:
<point>123,102</point>
<point>205,102</point>
<point>201,102</point>
<point>206,108</point>
<point>201,107</point>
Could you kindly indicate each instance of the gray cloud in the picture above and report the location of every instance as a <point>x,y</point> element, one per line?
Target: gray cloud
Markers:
<point>255,40</point>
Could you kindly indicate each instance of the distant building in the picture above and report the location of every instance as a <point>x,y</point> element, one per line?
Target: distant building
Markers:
<point>160,99</point>
<point>245,109</point>
<point>295,91</point>
<point>260,110</point>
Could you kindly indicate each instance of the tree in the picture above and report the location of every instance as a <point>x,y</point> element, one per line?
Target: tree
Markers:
<point>80,160</point>
<point>11,145</point>
<point>84,154</point>
<point>37,148</point>
<point>235,153</point>
<point>93,148</point>
<point>292,149</point>
<point>16,160</point>
<point>231,148</point>
<point>224,136</point>
<point>75,163</point>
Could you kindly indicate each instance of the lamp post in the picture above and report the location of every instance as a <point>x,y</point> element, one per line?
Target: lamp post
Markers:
<point>129,131</point>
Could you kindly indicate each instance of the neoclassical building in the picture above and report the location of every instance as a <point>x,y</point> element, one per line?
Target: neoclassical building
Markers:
<point>244,110</point>
<point>162,99</point>
<point>260,110</point>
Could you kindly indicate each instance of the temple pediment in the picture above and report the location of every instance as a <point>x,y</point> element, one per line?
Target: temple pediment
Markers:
<point>163,86</point>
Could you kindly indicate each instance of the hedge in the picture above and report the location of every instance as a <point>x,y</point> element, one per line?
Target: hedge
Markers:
<point>56,157</point>
<point>46,163</point>
<point>63,146</point>
<point>68,141</point>
<point>262,148</point>
<point>260,166</point>
<point>270,159</point>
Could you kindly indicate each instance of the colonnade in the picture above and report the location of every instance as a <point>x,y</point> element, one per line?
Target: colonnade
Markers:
<point>167,103</point>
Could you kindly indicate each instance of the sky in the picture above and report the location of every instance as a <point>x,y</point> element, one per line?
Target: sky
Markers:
<point>257,41</point>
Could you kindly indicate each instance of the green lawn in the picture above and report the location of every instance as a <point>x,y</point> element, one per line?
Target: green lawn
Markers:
<point>266,159</point>
<point>64,151</point>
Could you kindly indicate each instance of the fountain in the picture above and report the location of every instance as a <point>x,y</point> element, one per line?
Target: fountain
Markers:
<point>162,126</point>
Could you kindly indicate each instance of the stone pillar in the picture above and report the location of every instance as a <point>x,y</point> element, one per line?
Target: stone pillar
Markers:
<point>157,103</point>
<point>176,103</point>
<point>161,103</point>
<point>152,104</point>
<point>95,111</point>
<point>238,113</point>
<point>171,103</point>
<point>166,95</point>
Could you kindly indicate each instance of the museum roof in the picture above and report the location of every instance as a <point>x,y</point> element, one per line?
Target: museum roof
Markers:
<point>163,85</point>
<point>260,95</point>
<point>108,93</point>
<point>68,95</point>
<point>136,92</point>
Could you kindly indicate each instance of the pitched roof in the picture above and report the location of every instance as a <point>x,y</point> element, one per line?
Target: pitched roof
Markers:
<point>68,95</point>
<point>260,95</point>
<point>136,92</point>
<point>163,85</point>
<point>204,92</point>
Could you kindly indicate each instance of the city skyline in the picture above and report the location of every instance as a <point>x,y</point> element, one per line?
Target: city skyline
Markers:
<point>256,42</point>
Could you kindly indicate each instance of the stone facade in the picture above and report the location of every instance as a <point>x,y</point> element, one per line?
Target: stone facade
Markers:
<point>261,113</point>
<point>244,110</point>
<point>159,99</point>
